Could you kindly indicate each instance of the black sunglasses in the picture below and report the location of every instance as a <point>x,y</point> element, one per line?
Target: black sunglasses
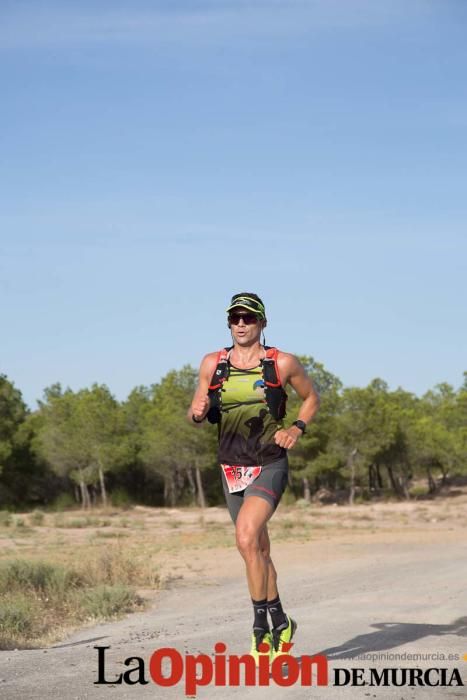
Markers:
<point>248,319</point>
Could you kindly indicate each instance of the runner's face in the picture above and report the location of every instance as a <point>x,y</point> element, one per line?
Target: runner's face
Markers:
<point>245,334</point>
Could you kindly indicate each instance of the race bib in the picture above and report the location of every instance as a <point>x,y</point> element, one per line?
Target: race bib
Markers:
<point>238,477</point>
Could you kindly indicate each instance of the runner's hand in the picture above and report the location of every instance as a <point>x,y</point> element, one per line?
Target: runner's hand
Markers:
<point>287,438</point>
<point>200,406</point>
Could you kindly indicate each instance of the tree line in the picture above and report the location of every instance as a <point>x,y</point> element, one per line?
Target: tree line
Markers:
<point>86,447</point>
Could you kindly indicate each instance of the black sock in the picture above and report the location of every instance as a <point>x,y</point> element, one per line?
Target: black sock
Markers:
<point>260,608</point>
<point>278,616</point>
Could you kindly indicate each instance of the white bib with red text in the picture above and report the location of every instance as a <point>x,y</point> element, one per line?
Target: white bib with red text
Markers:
<point>239,477</point>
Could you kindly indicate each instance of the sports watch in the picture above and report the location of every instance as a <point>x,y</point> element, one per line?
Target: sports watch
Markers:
<point>300,424</point>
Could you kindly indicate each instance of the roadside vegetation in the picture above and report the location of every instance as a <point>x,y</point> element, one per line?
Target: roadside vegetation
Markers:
<point>43,595</point>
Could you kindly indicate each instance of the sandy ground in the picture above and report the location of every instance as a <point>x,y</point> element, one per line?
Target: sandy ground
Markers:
<point>389,580</point>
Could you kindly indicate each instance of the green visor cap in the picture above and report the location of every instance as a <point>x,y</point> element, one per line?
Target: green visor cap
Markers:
<point>248,303</point>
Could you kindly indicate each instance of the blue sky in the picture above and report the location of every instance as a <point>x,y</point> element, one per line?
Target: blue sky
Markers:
<point>157,157</point>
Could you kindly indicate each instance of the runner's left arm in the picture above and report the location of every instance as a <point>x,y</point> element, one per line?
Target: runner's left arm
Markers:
<point>302,384</point>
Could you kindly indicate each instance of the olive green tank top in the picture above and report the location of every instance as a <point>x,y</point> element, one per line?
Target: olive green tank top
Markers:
<point>246,430</point>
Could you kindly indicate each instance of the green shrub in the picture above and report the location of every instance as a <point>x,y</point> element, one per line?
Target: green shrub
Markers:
<point>36,517</point>
<point>120,498</point>
<point>75,523</point>
<point>64,501</point>
<point>105,601</point>
<point>88,521</point>
<point>6,518</point>
<point>362,497</point>
<point>18,618</point>
<point>418,491</point>
<point>41,577</point>
<point>109,535</point>
<point>22,526</point>
<point>59,520</point>
<point>288,499</point>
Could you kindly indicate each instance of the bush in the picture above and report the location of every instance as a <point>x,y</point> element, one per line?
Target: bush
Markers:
<point>288,498</point>
<point>19,618</point>
<point>52,580</point>
<point>105,601</point>
<point>418,491</point>
<point>64,501</point>
<point>102,535</point>
<point>113,566</point>
<point>88,521</point>
<point>120,498</point>
<point>59,520</point>
<point>361,498</point>
<point>36,517</point>
<point>6,518</point>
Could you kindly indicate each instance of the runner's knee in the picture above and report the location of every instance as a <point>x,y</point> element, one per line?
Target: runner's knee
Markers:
<point>247,540</point>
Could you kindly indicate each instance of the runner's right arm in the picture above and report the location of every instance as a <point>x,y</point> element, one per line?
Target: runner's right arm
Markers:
<point>200,404</point>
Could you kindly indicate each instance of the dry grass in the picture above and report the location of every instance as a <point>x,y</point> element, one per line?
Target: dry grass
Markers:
<point>39,597</point>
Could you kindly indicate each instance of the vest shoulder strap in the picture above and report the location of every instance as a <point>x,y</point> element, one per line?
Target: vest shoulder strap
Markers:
<point>222,369</point>
<point>271,373</point>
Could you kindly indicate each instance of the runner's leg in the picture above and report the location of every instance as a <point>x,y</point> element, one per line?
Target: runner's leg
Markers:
<point>265,546</point>
<point>253,516</point>
<point>278,616</point>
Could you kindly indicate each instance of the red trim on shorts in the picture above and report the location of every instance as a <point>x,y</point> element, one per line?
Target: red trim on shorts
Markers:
<point>262,488</point>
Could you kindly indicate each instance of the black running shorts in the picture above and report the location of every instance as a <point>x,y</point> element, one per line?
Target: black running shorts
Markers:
<point>270,485</point>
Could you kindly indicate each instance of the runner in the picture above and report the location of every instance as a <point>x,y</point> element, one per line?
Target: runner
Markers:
<point>242,389</point>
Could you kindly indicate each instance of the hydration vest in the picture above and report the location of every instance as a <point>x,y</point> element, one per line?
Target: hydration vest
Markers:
<point>275,395</point>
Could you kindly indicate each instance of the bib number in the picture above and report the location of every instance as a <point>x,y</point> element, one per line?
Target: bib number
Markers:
<point>239,477</point>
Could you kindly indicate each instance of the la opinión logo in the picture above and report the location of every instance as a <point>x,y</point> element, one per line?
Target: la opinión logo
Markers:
<point>222,670</point>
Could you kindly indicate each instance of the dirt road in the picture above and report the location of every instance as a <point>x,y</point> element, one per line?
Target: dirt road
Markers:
<point>361,593</point>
